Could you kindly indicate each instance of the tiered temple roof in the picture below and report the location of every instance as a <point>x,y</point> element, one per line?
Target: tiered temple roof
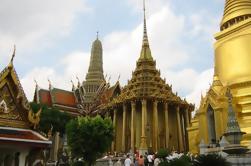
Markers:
<point>146,81</point>
<point>17,119</point>
<point>64,100</point>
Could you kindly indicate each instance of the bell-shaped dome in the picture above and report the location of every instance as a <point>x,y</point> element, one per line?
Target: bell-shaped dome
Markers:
<point>235,11</point>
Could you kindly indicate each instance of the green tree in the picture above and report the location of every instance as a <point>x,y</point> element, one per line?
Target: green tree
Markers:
<point>51,118</point>
<point>88,138</point>
<point>209,160</point>
<point>162,154</point>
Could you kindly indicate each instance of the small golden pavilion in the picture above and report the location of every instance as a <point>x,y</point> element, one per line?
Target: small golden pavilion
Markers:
<point>147,115</point>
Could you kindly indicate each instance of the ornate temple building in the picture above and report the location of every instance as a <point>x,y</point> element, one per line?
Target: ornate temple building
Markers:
<point>147,115</point>
<point>84,98</point>
<point>20,144</point>
<point>232,70</point>
<point>63,100</point>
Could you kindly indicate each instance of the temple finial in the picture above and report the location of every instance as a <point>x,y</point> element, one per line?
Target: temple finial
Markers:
<point>50,86</point>
<point>97,34</point>
<point>145,51</point>
<point>78,81</point>
<point>145,37</point>
<point>118,77</point>
<point>13,54</point>
<point>144,8</point>
<point>36,83</point>
<point>73,86</point>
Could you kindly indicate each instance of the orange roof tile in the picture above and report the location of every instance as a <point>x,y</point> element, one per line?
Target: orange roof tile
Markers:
<point>45,97</point>
<point>63,97</point>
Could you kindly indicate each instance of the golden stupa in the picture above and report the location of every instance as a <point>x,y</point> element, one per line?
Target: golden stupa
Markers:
<point>232,70</point>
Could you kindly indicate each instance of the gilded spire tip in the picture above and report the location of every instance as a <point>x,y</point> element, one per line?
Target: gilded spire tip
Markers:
<point>145,51</point>
<point>97,34</point>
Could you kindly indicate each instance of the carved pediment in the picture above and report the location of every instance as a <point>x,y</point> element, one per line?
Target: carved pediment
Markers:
<point>13,111</point>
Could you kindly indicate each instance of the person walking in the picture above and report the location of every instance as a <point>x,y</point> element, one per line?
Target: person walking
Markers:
<point>141,161</point>
<point>118,163</point>
<point>128,161</point>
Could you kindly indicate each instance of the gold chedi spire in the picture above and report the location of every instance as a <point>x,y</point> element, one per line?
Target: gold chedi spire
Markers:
<point>145,50</point>
<point>235,11</point>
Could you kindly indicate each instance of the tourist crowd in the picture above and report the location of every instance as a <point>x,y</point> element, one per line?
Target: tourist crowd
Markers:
<point>140,160</point>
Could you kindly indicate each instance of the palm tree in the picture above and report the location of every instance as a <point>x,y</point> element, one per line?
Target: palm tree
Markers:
<point>210,160</point>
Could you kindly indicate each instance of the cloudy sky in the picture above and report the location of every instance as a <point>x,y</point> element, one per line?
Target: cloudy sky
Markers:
<point>54,37</point>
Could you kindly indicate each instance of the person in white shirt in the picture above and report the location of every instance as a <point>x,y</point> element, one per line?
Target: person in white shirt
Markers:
<point>127,161</point>
<point>150,160</point>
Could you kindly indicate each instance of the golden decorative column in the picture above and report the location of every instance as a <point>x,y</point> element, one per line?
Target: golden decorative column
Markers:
<point>133,106</point>
<point>114,126</point>
<point>155,126</point>
<point>124,128</point>
<point>166,124</point>
<point>143,145</point>
<point>181,147</point>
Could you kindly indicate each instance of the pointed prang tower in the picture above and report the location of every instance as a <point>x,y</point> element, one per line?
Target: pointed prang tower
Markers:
<point>94,77</point>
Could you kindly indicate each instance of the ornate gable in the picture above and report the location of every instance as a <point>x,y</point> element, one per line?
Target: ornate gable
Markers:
<point>15,110</point>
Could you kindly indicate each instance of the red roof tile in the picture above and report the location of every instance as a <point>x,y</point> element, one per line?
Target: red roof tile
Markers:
<point>63,97</point>
<point>22,136</point>
<point>45,97</point>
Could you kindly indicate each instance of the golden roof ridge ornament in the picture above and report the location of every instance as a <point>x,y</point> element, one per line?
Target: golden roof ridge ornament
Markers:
<point>12,56</point>
<point>145,50</point>
<point>79,84</point>
<point>73,86</point>
<point>50,86</point>
<point>36,84</point>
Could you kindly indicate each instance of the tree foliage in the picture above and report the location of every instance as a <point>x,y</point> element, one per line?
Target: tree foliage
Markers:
<point>51,118</point>
<point>210,159</point>
<point>162,154</point>
<point>201,160</point>
<point>89,138</point>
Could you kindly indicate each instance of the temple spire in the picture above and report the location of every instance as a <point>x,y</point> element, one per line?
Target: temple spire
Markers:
<point>145,50</point>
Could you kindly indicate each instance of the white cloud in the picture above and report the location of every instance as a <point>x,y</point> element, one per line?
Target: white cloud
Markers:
<point>123,48</point>
<point>203,28</point>
<point>29,23</point>
<point>69,68</point>
<point>201,85</point>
